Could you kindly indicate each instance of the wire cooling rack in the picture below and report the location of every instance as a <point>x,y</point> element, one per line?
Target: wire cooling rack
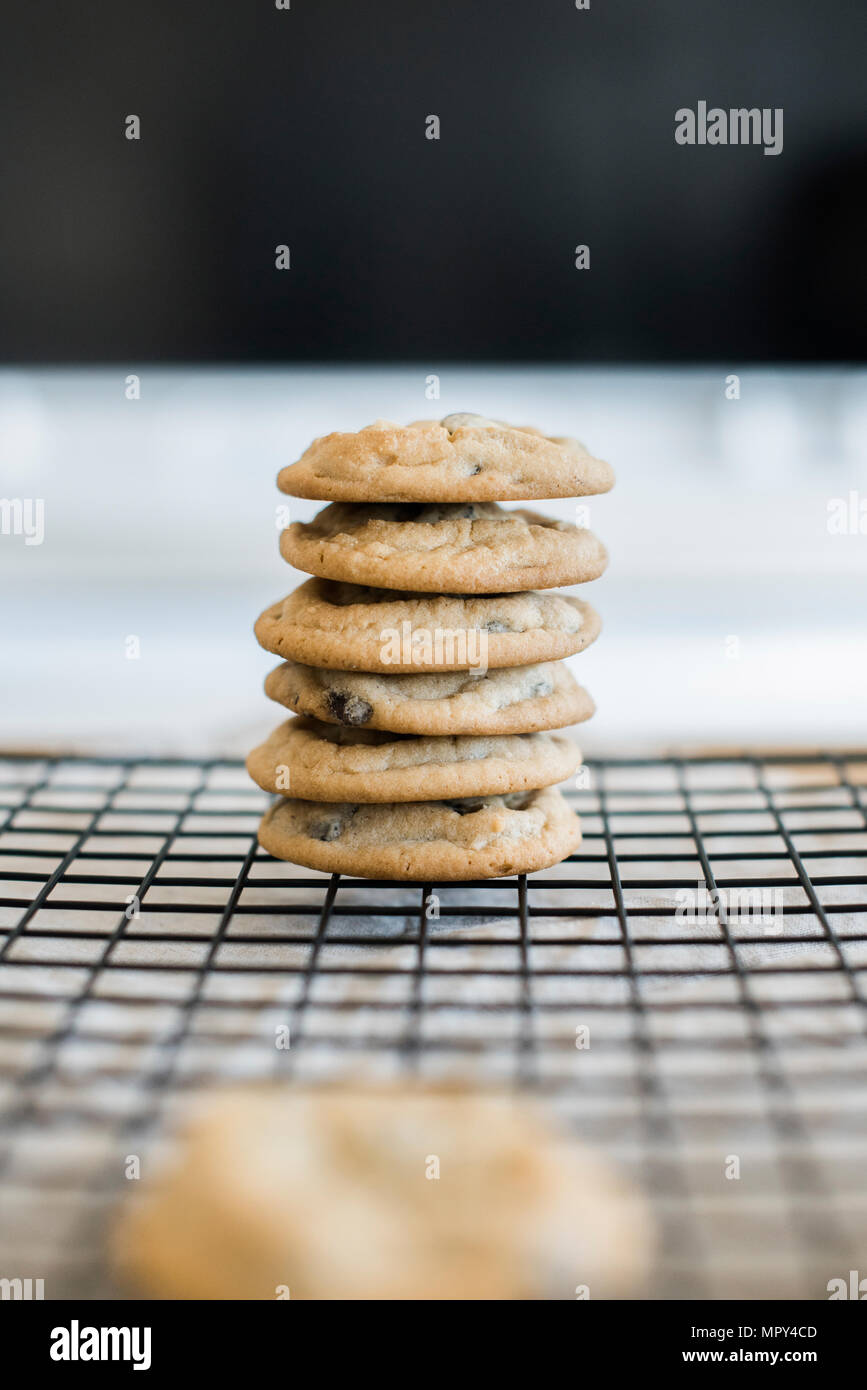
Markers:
<point>713,1046</point>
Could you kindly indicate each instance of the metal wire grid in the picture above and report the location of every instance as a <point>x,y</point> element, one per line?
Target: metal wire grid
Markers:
<point>149,947</point>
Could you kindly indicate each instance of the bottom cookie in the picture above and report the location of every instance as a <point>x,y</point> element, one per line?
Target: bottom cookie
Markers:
<point>478,837</point>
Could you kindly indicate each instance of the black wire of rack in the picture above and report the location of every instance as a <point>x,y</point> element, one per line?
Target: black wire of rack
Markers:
<point>149,948</point>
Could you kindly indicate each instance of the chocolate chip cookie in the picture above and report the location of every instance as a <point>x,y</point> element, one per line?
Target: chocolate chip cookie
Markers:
<point>510,700</point>
<point>463,458</point>
<point>351,628</point>
<point>433,841</point>
<point>320,762</point>
<point>451,548</point>
<point>321,1192</point>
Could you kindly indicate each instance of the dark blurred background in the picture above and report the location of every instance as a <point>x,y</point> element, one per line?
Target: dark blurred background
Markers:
<point>307,127</point>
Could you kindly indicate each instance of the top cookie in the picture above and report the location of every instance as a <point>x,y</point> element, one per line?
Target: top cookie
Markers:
<point>463,458</point>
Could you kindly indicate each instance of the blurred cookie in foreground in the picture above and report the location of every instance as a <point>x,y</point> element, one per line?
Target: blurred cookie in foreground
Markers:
<point>385,1193</point>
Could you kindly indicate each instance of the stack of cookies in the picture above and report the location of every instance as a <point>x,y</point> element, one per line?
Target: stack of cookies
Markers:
<point>424,663</point>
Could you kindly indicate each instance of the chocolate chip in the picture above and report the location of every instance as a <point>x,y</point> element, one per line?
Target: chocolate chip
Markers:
<point>326,829</point>
<point>348,709</point>
<point>428,513</point>
<point>477,468</point>
<point>467,805</point>
<point>455,421</point>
